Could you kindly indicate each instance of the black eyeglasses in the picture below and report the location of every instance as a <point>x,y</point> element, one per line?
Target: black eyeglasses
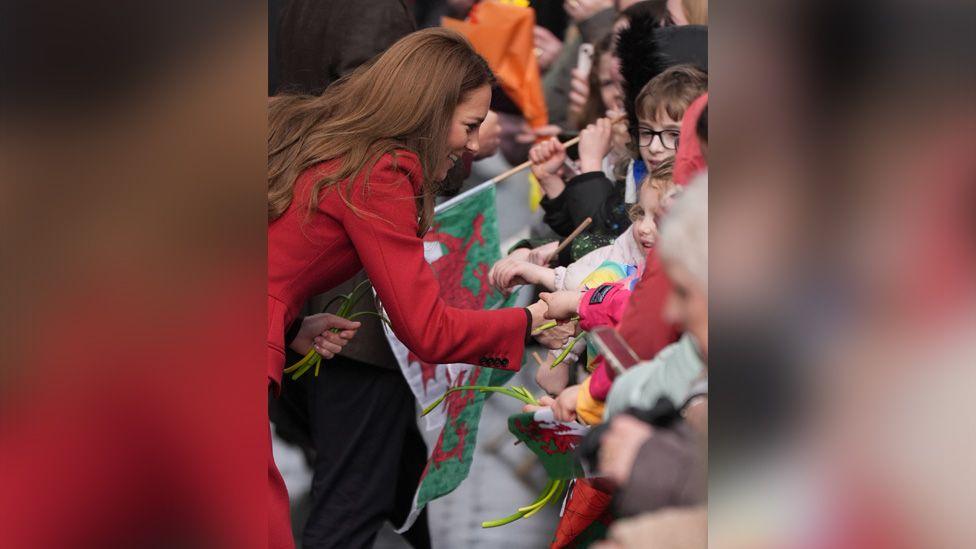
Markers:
<point>669,138</point>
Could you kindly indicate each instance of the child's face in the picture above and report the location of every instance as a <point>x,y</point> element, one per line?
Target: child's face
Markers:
<point>611,82</point>
<point>656,148</point>
<point>645,215</point>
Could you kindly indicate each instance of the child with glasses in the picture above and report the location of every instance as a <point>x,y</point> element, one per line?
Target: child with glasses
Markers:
<point>660,107</point>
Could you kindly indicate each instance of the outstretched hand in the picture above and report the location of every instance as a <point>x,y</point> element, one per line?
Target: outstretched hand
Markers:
<point>563,304</point>
<point>595,142</point>
<point>509,272</point>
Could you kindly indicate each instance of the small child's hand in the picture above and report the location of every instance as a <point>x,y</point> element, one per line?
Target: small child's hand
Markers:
<point>552,380</point>
<point>510,272</point>
<point>540,256</point>
<point>594,144</point>
<point>563,304</point>
<point>316,331</point>
<point>619,129</point>
<point>506,273</point>
<point>521,254</point>
<point>563,406</point>
<point>548,158</point>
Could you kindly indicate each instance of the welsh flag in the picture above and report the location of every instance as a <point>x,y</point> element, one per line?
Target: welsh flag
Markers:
<point>461,247</point>
<point>552,441</point>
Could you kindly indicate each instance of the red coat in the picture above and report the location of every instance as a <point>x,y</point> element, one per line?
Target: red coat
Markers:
<point>308,255</point>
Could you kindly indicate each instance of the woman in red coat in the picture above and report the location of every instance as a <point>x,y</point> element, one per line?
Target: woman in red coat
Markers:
<point>352,176</point>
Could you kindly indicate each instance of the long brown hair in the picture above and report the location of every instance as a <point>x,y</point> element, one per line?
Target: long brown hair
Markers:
<point>403,100</point>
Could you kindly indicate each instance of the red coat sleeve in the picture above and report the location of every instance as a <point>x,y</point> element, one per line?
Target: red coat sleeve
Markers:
<point>642,325</point>
<point>384,234</point>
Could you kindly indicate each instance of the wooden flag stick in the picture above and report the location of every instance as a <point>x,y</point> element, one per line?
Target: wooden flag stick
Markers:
<point>535,355</point>
<point>569,143</point>
<point>527,163</point>
<point>569,239</point>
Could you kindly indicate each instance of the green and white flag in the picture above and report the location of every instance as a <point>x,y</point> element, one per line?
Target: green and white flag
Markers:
<point>461,247</point>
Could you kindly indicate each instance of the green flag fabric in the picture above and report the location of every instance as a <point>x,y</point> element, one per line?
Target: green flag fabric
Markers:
<point>461,247</point>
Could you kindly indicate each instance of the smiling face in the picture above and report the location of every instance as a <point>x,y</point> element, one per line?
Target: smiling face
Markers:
<point>463,134</point>
<point>652,149</point>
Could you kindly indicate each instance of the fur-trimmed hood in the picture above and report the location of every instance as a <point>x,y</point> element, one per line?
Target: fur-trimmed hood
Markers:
<point>646,50</point>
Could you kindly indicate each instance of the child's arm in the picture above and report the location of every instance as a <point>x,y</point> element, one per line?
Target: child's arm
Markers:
<point>552,380</point>
<point>511,272</point>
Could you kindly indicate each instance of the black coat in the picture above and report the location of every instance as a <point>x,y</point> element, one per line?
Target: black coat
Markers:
<point>321,40</point>
<point>591,195</point>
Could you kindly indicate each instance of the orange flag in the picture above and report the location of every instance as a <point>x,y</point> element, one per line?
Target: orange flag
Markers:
<point>502,34</point>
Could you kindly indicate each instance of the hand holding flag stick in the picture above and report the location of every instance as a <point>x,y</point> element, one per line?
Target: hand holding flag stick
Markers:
<point>528,163</point>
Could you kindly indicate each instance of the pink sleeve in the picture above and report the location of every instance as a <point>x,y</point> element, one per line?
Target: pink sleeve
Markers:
<point>603,306</point>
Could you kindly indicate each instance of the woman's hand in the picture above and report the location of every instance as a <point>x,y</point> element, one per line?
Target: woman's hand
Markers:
<point>520,254</point>
<point>538,311</point>
<point>594,144</point>
<point>563,304</point>
<point>316,332</point>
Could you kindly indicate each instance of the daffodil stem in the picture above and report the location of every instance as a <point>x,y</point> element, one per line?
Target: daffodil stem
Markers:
<point>552,324</point>
<point>520,393</point>
<point>562,356</point>
<point>550,493</point>
<point>349,302</point>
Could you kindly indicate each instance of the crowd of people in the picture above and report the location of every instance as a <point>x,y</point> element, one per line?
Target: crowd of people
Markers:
<point>376,113</point>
